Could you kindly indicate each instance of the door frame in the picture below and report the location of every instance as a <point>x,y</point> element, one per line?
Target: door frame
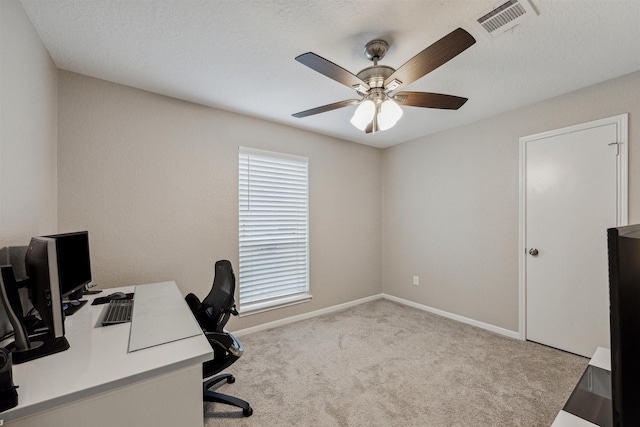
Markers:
<point>621,187</point>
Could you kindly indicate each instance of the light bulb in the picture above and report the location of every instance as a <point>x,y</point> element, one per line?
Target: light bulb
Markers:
<point>363,114</point>
<point>389,114</point>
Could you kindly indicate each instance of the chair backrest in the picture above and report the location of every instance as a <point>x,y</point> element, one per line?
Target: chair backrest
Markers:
<point>220,302</point>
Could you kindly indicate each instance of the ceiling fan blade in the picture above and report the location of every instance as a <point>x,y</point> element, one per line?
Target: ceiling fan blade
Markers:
<point>326,108</point>
<point>431,58</point>
<point>331,70</point>
<point>430,100</point>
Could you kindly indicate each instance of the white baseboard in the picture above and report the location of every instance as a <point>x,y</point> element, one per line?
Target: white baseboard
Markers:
<point>293,319</point>
<point>476,323</point>
<point>304,316</point>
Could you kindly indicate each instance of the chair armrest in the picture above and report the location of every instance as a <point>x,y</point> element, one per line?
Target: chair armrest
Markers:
<point>193,302</point>
<point>225,340</point>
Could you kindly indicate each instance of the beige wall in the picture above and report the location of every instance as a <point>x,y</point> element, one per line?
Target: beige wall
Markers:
<point>28,130</point>
<point>155,182</point>
<point>450,203</point>
<point>28,133</point>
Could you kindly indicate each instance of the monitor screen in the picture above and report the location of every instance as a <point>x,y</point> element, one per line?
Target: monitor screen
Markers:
<point>74,264</point>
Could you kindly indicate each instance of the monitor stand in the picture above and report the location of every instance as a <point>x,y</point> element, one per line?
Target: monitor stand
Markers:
<point>40,346</point>
<point>24,347</point>
<point>81,292</point>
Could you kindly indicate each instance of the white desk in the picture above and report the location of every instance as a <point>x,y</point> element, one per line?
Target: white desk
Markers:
<point>96,382</point>
<point>601,359</point>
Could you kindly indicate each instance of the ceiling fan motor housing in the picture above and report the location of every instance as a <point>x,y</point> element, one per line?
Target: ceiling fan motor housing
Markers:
<point>375,75</point>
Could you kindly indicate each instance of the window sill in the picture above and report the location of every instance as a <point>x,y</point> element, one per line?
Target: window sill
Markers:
<point>261,307</point>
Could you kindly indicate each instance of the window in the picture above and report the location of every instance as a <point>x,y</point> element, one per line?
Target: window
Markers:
<point>273,230</point>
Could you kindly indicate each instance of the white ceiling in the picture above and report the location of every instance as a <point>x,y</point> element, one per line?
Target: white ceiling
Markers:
<point>239,55</point>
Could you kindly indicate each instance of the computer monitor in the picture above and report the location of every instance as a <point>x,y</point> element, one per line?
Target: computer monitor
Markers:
<point>73,261</point>
<point>57,266</point>
<point>41,263</point>
<point>44,289</point>
<point>624,296</point>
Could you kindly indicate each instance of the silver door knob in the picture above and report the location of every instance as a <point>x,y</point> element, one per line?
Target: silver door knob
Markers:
<point>533,251</point>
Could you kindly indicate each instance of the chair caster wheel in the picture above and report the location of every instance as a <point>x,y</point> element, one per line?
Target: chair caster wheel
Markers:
<point>231,380</point>
<point>247,412</point>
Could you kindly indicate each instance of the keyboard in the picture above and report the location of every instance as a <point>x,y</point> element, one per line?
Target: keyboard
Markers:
<point>118,311</point>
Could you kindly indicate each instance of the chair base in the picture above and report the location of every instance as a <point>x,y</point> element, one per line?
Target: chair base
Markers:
<point>213,396</point>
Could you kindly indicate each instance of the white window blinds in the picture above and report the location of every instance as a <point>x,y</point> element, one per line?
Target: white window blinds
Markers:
<point>273,229</point>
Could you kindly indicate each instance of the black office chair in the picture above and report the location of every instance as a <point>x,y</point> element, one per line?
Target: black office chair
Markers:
<point>212,314</point>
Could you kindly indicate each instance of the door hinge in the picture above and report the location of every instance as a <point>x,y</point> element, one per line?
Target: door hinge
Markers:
<point>617,144</point>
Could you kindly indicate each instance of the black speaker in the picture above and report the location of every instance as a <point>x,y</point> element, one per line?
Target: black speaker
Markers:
<point>8,393</point>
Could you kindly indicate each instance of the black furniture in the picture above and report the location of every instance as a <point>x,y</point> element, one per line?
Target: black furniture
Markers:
<point>212,314</point>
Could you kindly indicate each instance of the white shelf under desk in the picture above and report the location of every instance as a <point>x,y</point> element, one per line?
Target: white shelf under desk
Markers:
<point>98,382</point>
<point>601,359</point>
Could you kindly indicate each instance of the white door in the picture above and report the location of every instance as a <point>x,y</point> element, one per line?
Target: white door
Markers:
<point>572,187</point>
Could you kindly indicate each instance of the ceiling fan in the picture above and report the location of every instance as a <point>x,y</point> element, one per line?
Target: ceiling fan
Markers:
<point>378,107</point>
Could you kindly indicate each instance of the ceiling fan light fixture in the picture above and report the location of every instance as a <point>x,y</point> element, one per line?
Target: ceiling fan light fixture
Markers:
<point>389,114</point>
<point>363,114</point>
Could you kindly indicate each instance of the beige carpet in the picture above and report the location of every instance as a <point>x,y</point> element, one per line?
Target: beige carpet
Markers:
<point>385,364</point>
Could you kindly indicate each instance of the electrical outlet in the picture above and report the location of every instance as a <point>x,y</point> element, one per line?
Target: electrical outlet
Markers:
<point>416,280</point>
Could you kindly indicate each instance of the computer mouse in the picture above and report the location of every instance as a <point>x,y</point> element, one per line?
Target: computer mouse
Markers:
<point>117,295</point>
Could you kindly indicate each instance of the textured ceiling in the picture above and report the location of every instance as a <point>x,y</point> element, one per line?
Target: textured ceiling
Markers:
<point>239,55</point>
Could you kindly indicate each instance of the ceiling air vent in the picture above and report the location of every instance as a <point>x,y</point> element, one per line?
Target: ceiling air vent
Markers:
<point>504,16</point>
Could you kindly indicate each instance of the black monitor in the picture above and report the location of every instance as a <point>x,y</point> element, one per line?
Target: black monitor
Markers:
<point>73,261</point>
<point>624,295</point>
